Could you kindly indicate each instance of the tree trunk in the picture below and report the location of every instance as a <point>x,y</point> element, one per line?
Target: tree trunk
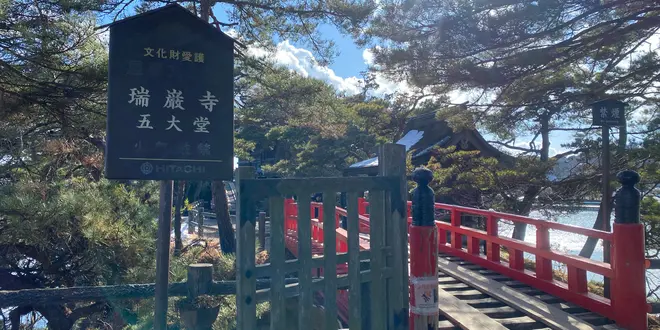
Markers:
<point>590,244</point>
<point>178,244</point>
<point>520,229</point>
<point>225,229</point>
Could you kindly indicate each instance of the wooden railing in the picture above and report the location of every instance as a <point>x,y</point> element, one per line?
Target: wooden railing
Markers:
<point>575,290</point>
<point>199,282</point>
<point>466,242</point>
<point>318,225</point>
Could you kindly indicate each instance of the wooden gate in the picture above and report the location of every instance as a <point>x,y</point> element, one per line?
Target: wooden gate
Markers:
<point>377,279</point>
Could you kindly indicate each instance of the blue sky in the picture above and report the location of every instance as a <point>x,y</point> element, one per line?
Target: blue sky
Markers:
<point>350,61</point>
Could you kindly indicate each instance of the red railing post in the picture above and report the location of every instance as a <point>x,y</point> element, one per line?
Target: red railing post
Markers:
<point>456,238</point>
<point>628,292</point>
<point>320,218</point>
<point>543,265</point>
<point>287,214</point>
<point>577,279</point>
<point>442,237</point>
<point>362,206</point>
<point>492,249</point>
<point>423,256</point>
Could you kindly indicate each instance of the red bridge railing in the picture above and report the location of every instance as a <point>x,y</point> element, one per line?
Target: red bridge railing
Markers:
<point>318,226</point>
<point>623,306</point>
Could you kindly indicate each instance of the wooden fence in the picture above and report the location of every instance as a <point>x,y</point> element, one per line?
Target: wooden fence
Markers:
<point>199,283</point>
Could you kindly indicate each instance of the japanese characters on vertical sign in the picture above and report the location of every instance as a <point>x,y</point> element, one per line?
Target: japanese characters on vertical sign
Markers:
<point>170,98</point>
<point>608,112</point>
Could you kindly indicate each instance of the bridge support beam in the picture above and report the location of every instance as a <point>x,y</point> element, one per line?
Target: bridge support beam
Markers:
<point>629,285</point>
<point>423,255</point>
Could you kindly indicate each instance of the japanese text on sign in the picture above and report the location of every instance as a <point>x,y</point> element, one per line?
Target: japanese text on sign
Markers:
<point>172,54</point>
<point>174,100</point>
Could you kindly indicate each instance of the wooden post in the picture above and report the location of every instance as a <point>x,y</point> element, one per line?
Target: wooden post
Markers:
<point>392,162</point>
<point>628,263</point>
<point>606,202</point>
<point>543,265</point>
<point>279,209</point>
<point>200,222</point>
<point>493,249</point>
<point>330,264</point>
<point>245,259</point>
<point>163,255</point>
<point>424,255</point>
<point>362,207</point>
<point>200,281</point>
<point>191,217</point>
<point>262,231</point>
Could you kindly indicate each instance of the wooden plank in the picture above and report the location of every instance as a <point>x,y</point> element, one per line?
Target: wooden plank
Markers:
<point>330,255</point>
<point>292,288</point>
<point>554,317</point>
<point>277,260</point>
<point>261,188</point>
<point>392,162</point>
<point>291,266</point>
<point>246,286</point>
<point>305,259</point>
<point>378,289</point>
<point>446,325</point>
<point>464,315</point>
<point>354,303</point>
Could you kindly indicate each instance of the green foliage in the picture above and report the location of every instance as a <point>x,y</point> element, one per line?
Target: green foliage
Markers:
<point>650,216</point>
<point>459,177</point>
<point>531,74</point>
<point>75,233</point>
<point>304,126</point>
<point>104,227</point>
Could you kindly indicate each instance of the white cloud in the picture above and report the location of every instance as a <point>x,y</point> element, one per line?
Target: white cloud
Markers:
<point>303,61</point>
<point>368,57</point>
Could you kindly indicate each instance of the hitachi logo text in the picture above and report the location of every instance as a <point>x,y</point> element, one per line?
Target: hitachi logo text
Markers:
<point>180,169</point>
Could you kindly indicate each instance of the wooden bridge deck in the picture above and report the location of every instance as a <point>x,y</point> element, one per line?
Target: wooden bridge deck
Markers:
<point>511,304</point>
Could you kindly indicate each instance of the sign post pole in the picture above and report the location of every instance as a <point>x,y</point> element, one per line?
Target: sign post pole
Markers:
<point>606,202</point>
<point>163,254</point>
<point>605,113</point>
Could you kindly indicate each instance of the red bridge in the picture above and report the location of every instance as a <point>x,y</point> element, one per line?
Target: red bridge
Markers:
<point>481,289</point>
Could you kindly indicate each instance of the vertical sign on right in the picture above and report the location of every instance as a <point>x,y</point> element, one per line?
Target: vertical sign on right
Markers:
<point>606,113</point>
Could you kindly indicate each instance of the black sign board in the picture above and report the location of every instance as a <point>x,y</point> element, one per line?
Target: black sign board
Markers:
<point>608,112</point>
<point>170,98</point>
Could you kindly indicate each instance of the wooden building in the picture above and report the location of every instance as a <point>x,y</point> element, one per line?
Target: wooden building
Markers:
<point>423,133</point>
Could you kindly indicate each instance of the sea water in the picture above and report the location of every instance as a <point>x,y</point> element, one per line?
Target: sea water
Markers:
<point>571,243</point>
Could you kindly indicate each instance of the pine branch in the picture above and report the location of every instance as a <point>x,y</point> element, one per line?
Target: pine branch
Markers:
<point>514,147</point>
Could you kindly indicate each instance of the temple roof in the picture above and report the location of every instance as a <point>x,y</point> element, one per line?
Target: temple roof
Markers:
<point>423,134</point>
